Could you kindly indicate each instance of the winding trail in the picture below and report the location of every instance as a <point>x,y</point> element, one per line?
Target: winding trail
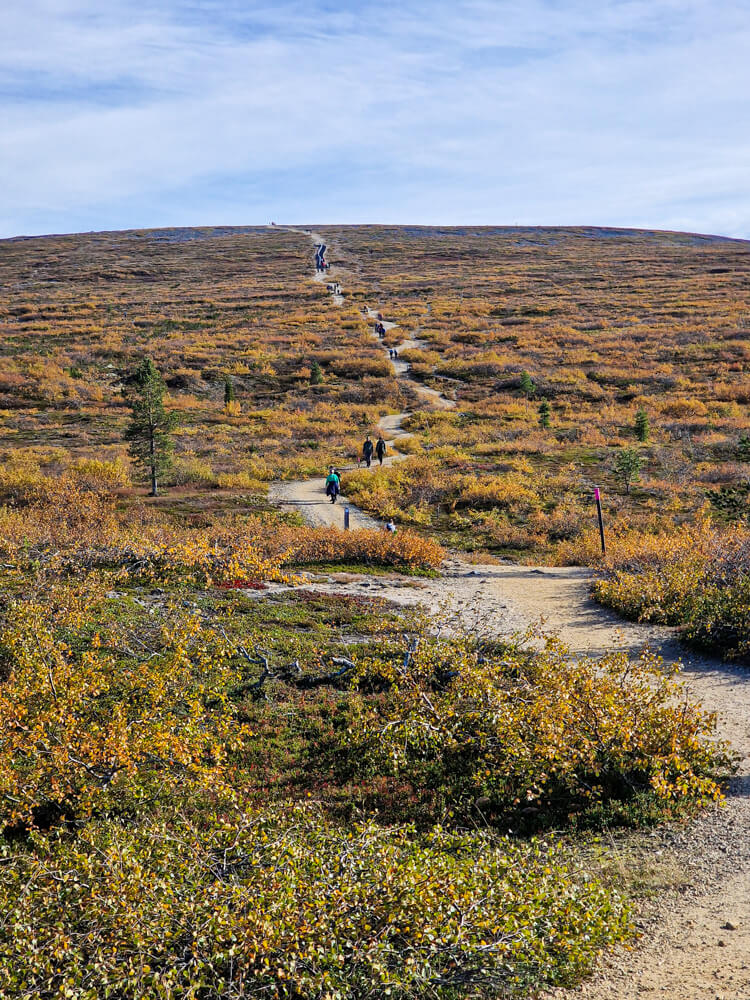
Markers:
<point>695,941</point>
<point>308,495</point>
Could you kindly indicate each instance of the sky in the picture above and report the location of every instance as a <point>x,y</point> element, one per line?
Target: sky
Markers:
<point>122,114</point>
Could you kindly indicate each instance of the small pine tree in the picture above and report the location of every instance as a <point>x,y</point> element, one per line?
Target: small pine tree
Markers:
<point>743,448</point>
<point>526,384</point>
<point>150,424</point>
<point>316,373</point>
<point>627,465</point>
<point>544,413</point>
<point>642,427</point>
<point>228,390</point>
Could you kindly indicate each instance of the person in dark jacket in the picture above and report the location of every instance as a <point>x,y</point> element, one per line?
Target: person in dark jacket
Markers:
<point>367,450</point>
<point>380,449</point>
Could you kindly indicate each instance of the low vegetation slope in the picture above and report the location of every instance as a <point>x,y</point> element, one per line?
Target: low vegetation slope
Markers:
<point>211,789</point>
<point>213,785</point>
<point>77,313</point>
<point>591,326</point>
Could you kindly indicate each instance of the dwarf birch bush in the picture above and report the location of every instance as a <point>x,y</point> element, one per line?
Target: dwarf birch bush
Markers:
<point>535,736</point>
<point>83,730</point>
<point>696,577</point>
<point>291,907</point>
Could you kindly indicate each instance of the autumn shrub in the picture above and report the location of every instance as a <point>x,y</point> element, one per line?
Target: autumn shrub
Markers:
<point>100,474</point>
<point>241,481</point>
<point>65,512</point>
<point>20,475</point>
<point>190,469</point>
<point>534,737</point>
<point>85,730</point>
<point>695,576</point>
<point>290,907</point>
<point>495,493</point>
<point>404,549</point>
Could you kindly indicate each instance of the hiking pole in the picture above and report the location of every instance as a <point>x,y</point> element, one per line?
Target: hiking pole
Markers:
<point>346,518</point>
<point>598,497</point>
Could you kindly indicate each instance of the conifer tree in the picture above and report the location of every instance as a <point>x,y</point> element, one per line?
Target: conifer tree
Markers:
<point>151,425</point>
<point>627,466</point>
<point>544,413</point>
<point>228,390</point>
<point>316,373</point>
<point>642,427</point>
<point>526,384</point>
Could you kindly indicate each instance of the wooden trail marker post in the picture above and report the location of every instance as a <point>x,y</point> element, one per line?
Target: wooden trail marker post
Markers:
<point>598,498</point>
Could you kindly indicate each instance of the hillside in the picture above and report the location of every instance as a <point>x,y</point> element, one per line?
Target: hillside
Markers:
<point>246,753</point>
<point>604,322</point>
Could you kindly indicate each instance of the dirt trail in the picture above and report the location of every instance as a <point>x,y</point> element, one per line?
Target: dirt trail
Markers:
<point>695,942</point>
<point>696,937</point>
<point>308,496</point>
<point>402,368</point>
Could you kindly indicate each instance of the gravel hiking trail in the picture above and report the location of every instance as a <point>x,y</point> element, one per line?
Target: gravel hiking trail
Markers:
<point>695,933</point>
<point>307,495</point>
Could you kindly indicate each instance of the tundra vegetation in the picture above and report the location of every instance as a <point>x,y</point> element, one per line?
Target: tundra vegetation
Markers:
<point>216,785</point>
<point>637,342</point>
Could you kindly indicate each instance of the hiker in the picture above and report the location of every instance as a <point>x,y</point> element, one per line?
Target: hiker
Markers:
<point>367,450</point>
<point>333,484</point>
<point>391,527</point>
<point>380,448</point>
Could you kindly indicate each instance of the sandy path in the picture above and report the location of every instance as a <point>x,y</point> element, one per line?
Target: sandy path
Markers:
<point>696,938</point>
<point>402,368</point>
<point>688,950</point>
<point>308,496</point>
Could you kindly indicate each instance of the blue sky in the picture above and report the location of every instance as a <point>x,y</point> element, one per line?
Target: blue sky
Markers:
<point>122,114</point>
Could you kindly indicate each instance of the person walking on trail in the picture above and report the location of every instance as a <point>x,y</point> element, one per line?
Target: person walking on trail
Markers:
<point>380,449</point>
<point>333,484</point>
<point>367,450</point>
<point>391,527</point>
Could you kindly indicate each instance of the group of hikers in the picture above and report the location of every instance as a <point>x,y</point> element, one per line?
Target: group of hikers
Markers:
<point>368,449</point>
<point>333,488</point>
<point>333,479</point>
<point>321,264</point>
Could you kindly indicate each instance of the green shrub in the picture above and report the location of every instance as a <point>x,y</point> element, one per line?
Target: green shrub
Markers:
<point>293,907</point>
<point>544,414</point>
<point>526,384</point>
<point>536,737</point>
<point>627,466</point>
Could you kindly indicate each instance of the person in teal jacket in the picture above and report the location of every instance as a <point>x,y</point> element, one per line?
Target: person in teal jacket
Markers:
<point>333,485</point>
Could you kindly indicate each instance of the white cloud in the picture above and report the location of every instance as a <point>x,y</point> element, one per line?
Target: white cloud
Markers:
<point>542,111</point>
